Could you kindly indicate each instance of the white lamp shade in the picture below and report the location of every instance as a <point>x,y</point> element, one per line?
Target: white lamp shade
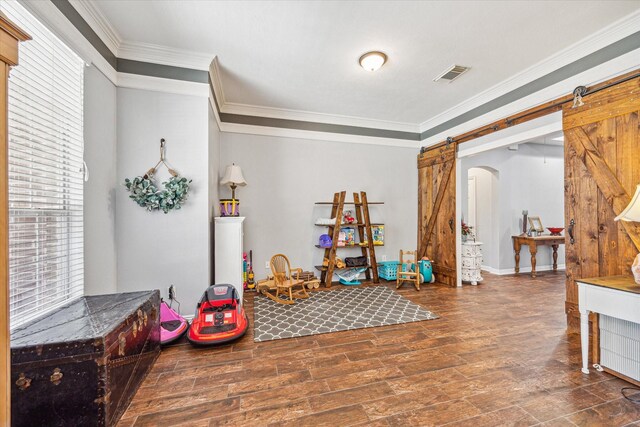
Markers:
<point>632,212</point>
<point>233,175</point>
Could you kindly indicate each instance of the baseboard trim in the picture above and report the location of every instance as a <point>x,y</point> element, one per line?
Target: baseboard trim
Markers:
<point>507,271</point>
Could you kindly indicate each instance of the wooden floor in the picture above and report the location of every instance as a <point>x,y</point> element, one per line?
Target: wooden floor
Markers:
<point>499,355</point>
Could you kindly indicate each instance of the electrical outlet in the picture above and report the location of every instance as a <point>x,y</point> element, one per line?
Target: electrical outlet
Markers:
<point>384,257</point>
<point>266,265</point>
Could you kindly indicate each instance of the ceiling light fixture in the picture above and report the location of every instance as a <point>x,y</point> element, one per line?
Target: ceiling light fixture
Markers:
<point>372,61</point>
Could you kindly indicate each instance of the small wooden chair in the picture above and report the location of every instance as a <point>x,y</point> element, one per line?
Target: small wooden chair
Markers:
<point>411,273</point>
<point>285,279</point>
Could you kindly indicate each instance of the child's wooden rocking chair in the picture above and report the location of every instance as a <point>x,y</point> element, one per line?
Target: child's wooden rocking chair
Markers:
<point>285,279</point>
<point>411,272</point>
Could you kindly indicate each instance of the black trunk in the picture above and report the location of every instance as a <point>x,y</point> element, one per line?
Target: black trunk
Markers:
<point>81,364</point>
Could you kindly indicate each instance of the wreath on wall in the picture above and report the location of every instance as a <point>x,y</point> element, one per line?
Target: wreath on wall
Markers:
<point>146,194</point>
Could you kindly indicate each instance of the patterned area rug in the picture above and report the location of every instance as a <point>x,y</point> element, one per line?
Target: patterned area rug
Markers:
<point>332,311</point>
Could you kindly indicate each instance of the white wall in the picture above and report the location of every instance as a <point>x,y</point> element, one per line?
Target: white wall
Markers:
<point>155,249</point>
<point>531,178</point>
<point>99,192</point>
<point>286,176</point>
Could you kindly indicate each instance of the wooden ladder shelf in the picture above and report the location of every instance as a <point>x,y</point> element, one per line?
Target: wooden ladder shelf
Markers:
<point>363,222</point>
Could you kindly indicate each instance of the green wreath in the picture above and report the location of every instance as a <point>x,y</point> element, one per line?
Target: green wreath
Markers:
<point>146,194</point>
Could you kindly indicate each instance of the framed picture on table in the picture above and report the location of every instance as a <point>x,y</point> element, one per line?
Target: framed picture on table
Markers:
<point>536,224</point>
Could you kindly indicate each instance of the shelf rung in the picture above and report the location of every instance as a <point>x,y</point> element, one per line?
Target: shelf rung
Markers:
<point>349,203</point>
<point>349,225</point>
<point>323,268</point>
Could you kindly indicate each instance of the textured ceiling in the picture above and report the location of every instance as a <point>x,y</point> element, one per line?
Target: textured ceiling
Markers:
<point>303,55</point>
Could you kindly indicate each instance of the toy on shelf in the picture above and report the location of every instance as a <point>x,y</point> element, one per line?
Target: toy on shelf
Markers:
<point>350,277</point>
<point>378,234</point>
<point>325,221</point>
<point>343,234</point>
<point>324,241</point>
<point>338,262</point>
<point>348,218</point>
<point>342,237</point>
<point>349,236</point>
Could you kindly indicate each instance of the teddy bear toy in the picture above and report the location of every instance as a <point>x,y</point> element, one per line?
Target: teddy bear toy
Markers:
<point>348,219</point>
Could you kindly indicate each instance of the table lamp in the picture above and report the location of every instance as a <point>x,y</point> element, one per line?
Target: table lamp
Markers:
<point>632,213</point>
<point>234,178</point>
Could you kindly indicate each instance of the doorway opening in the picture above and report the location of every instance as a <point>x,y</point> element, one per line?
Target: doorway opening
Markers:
<point>499,181</point>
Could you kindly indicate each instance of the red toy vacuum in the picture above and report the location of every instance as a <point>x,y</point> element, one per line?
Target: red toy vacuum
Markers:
<point>219,317</point>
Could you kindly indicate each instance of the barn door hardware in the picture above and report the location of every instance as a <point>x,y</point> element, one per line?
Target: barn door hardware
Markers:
<point>578,93</point>
<point>572,224</point>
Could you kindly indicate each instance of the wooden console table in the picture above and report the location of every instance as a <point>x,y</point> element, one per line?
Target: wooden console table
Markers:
<point>533,243</point>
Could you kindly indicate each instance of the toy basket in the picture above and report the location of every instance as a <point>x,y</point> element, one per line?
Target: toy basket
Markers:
<point>388,270</point>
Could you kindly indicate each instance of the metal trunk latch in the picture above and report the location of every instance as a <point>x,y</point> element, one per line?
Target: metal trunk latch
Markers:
<point>56,377</point>
<point>23,382</point>
<point>122,344</point>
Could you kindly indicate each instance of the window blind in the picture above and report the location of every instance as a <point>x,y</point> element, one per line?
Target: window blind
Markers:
<point>45,172</point>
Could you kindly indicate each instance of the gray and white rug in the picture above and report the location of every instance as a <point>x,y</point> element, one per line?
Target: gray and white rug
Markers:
<point>333,311</point>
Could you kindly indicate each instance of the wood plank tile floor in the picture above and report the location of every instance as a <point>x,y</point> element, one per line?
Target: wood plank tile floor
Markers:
<point>499,355</point>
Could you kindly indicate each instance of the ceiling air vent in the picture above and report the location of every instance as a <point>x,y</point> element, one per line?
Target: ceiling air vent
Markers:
<point>451,73</point>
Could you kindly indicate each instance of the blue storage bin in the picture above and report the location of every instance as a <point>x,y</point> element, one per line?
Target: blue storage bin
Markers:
<point>388,270</point>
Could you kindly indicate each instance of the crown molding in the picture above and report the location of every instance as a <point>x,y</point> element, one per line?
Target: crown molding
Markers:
<point>313,135</point>
<point>216,93</point>
<point>137,51</point>
<point>308,116</point>
<point>214,76</point>
<point>605,71</point>
<point>214,108</point>
<point>608,35</point>
<point>90,12</point>
<point>156,54</point>
<point>158,84</point>
<point>298,115</point>
<point>99,23</point>
<point>56,22</point>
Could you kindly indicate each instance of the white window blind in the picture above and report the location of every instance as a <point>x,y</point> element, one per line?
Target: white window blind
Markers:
<point>45,172</point>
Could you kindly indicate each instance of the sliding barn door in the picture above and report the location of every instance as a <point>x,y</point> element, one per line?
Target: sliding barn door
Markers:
<point>437,211</point>
<point>602,170</point>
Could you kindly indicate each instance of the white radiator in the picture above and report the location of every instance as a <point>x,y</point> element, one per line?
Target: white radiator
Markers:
<point>620,346</point>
